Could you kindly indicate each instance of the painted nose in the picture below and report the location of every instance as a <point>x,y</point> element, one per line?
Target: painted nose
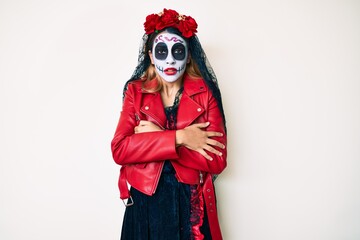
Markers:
<point>170,60</point>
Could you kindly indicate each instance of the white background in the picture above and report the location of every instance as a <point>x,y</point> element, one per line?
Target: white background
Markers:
<point>289,72</point>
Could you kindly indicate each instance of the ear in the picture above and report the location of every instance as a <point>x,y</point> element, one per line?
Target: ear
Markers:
<point>151,57</point>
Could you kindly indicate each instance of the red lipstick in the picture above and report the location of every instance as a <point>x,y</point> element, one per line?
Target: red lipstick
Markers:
<point>170,71</point>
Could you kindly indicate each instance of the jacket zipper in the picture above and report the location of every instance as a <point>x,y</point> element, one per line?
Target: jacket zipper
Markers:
<point>157,178</point>
<point>157,123</point>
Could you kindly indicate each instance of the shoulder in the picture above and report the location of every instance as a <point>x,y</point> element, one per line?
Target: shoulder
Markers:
<point>134,86</point>
<point>195,85</point>
<point>137,84</point>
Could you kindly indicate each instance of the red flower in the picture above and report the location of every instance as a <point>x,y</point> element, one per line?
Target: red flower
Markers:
<point>188,27</point>
<point>169,18</point>
<point>151,22</point>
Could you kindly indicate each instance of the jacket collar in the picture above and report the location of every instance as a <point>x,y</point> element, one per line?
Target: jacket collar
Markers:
<point>188,111</point>
<point>193,86</point>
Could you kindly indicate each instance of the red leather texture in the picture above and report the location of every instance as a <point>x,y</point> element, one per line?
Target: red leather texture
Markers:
<point>142,155</point>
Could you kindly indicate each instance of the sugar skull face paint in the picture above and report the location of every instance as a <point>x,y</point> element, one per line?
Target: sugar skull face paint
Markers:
<point>170,55</point>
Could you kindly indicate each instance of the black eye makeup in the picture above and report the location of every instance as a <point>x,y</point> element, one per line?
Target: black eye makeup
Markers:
<point>178,51</point>
<point>161,51</point>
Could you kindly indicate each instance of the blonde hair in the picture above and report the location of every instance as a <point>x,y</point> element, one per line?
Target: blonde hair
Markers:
<point>151,75</point>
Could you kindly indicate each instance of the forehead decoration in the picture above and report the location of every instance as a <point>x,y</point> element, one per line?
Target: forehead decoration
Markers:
<point>173,38</point>
<point>170,18</point>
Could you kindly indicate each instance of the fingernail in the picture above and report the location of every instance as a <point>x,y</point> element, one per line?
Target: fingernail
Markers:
<point>220,154</point>
<point>211,159</point>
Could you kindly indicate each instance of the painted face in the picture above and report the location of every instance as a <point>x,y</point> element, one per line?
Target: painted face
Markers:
<point>170,55</point>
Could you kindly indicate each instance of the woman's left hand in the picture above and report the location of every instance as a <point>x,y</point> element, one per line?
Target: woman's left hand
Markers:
<point>146,126</point>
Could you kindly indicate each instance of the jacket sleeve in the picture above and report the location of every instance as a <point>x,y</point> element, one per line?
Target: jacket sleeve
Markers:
<point>130,148</point>
<point>195,160</point>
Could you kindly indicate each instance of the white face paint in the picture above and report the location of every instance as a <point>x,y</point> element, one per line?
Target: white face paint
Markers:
<point>170,54</point>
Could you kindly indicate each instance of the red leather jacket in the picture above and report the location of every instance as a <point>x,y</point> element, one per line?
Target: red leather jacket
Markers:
<point>142,155</point>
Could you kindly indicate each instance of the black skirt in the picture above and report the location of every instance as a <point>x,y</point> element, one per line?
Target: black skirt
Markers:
<point>166,215</point>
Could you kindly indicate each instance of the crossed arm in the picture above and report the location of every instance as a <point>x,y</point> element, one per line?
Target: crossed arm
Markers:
<point>193,137</point>
<point>198,146</point>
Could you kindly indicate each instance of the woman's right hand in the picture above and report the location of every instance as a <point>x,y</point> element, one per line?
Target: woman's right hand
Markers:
<point>195,138</point>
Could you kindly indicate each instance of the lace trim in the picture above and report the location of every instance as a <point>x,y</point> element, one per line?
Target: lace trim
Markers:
<point>197,212</point>
<point>171,112</point>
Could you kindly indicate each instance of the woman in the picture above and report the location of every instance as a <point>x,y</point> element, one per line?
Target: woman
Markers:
<point>170,139</point>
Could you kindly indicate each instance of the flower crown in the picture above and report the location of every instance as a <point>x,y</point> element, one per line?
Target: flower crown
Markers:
<point>170,18</point>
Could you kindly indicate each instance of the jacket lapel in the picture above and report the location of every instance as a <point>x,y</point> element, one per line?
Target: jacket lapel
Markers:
<point>153,107</point>
<point>189,110</point>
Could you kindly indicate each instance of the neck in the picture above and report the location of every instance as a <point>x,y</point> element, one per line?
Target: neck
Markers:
<point>170,89</point>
